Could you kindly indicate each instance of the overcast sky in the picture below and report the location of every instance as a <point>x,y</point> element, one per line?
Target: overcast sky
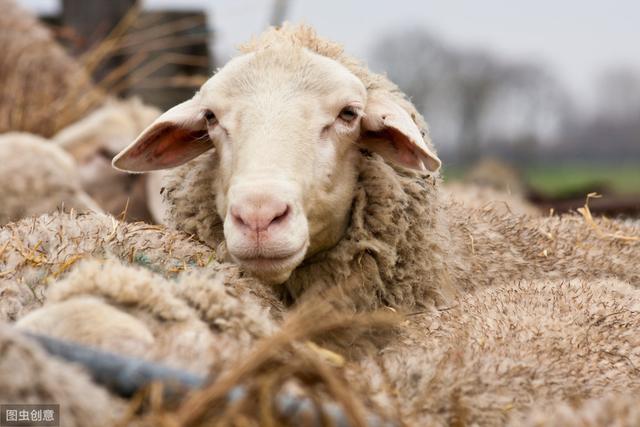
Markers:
<point>577,39</point>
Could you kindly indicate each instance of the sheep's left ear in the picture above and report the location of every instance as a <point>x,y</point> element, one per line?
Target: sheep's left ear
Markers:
<point>387,129</point>
<point>174,138</point>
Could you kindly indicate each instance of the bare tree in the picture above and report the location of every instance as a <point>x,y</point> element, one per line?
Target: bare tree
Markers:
<point>611,131</point>
<point>471,98</point>
<point>618,94</point>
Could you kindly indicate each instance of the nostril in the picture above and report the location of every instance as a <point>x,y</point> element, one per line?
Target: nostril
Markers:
<point>237,217</point>
<point>281,216</point>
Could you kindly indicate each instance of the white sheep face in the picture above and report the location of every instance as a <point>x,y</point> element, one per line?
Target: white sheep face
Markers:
<point>286,125</point>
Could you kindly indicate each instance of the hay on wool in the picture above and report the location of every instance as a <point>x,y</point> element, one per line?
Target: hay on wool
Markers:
<point>198,321</point>
<point>586,213</point>
<point>286,362</point>
<point>36,251</point>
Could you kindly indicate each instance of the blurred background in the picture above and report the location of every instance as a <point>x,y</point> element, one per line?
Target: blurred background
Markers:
<point>542,98</point>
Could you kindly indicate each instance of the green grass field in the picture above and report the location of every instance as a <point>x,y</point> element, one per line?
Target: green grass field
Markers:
<point>560,180</point>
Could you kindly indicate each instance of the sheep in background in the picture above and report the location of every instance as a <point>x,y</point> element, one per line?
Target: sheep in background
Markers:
<point>44,91</point>
<point>95,139</point>
<point>474,196</point>
<point>45,178</point>
<point>491,182</point>
<point>109,128</point>
<point>498,175</point>
<point>38,177</point>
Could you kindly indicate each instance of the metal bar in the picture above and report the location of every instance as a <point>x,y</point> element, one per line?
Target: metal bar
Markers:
<point>122,375</point>
<point>125,376</point>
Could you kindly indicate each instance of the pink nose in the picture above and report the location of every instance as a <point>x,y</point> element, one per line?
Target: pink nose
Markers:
<point>259,212</point>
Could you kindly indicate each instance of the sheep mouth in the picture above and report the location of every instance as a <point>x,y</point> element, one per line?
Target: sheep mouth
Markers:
<point>266,265</point>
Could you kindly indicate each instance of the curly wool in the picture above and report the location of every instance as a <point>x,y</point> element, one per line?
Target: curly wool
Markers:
<point>615,409</point>
<point>490,358</point>
<point>200,321</point>
<point>35,252</point>
<point>501,352</point>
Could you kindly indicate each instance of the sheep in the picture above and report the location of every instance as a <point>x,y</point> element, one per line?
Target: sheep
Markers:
<point>510,344</point>
<point>134,289</point>
<point>492,182</point>
<point>46,177</point>
<point>46,92</point>
<point>95,139</point>
<point>37,178</point>
<point>42,88</point>
<point>494,173</point>
<point>108,128</point>
<point>476,196</point>
<point>336,183</point>
<point>35,255</point>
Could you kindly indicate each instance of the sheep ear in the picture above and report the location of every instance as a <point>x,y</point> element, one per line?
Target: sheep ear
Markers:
<point>387,129</point>
<point>174,138</point>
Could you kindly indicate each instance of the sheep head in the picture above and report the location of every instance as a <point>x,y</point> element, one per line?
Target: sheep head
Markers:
<point>286,126</point>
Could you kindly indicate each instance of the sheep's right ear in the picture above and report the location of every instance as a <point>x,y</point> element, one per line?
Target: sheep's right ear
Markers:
<point>390,131</point>
<point>176,137</point>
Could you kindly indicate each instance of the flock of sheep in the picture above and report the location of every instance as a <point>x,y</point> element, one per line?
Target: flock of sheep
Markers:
<point>307,248</point>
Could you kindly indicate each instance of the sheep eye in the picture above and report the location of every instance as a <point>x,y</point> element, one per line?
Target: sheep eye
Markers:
<point>210,117</point>
<point>348,114</point>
